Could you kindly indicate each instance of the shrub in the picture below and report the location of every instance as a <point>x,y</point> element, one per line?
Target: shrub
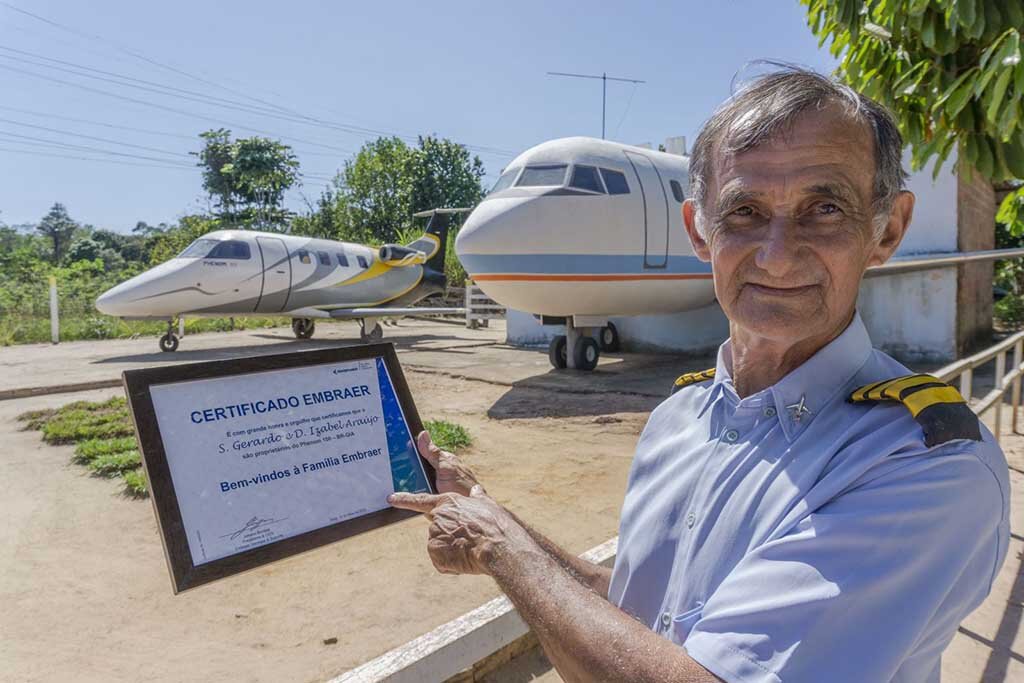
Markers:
<point>448,435</point>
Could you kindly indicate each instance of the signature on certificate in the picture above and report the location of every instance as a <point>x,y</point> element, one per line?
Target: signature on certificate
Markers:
<point>252,525</point>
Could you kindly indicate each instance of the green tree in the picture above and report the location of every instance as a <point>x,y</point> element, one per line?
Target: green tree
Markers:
<point>950,70</point>
<point>58,227</point>
<point>377,192</point>
<point>247,178</point>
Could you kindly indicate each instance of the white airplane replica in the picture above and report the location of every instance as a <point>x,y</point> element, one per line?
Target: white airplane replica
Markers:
<point>577,230</point>
<point>244,272</point>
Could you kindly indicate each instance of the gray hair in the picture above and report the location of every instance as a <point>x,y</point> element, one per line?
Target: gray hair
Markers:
<point>769,105</point>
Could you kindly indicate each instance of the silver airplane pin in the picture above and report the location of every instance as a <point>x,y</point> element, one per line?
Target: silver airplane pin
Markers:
<point>799,410</point>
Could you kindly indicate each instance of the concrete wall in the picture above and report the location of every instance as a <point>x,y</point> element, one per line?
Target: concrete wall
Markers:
<point>912,316</point>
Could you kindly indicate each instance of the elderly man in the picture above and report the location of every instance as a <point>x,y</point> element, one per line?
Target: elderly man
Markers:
<point>809,510</point>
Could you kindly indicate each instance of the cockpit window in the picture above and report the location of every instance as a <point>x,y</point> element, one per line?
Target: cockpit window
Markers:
<point>231,249</point>
<point>615,181</point>
<point>198,249</point>
<point>534,176</point>
<point>585,178</point>
<point>505,181</point>
<point>210,248</point>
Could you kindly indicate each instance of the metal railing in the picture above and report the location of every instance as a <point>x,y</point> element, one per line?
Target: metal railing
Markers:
<point>480,308</point>
<point>905,264</point>
<point>1004,381</point>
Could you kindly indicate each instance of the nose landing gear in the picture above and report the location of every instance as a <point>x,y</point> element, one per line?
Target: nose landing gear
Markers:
<point>372,336</point>
<point>303,327</point>
<point>169,342</point>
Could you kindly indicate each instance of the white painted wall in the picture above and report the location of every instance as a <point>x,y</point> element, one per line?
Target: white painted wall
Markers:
<point>911,316</point>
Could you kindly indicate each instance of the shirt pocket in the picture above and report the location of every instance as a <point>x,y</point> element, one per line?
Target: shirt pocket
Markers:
<point>682,623</point>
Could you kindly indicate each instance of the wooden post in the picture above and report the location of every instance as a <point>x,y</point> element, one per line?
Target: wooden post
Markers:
<point>54,314</point>
<point>966,382</point>
<point>181,326</point>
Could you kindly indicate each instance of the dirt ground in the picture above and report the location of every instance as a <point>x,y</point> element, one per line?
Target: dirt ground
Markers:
<point>85,592</point>
<point>84,589</point>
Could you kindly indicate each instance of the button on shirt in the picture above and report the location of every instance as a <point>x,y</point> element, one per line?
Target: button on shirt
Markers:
<point>793,536</point>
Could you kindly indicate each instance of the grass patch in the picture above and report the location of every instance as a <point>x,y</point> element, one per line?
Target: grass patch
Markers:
<point>103,436</point>
<point>90,449</point>
<point>135,483</point>
<point>448,435</point>
<point>114,464</point>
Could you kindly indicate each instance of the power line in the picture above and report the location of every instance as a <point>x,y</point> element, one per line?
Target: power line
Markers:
<point>350,128</point>
<point>102,161</point>
<point>92,149</point>
<point>135,54</point>
<point>92,137</point>
<point>166,108</point>
<point>148,131</point>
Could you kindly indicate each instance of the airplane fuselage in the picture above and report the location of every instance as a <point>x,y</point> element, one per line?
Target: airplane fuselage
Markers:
<point>580,226</point>
<point>237,272</point>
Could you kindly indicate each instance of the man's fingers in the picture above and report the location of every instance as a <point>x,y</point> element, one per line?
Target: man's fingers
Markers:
<point>427,449</point>
<point>420,502</point>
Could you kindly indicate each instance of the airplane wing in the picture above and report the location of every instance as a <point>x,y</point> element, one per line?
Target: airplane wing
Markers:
<point>356,313</point>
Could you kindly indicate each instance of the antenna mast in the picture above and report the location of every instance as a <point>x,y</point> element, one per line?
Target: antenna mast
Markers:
<point>604,78</point>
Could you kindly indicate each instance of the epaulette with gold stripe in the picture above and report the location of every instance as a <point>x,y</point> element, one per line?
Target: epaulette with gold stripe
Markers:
<point>938,408</point>
<point>692,378</point>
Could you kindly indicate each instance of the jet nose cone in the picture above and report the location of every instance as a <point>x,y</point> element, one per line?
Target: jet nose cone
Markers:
<point>112,301</point>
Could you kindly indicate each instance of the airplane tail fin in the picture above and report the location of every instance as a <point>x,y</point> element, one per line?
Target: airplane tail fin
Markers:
<point>434,242</point>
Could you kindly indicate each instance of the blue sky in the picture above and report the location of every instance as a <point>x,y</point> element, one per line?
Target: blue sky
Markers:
<point>473,72</point>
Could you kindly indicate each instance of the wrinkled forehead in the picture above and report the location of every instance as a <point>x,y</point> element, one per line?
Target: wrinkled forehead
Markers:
<point>826,146</point>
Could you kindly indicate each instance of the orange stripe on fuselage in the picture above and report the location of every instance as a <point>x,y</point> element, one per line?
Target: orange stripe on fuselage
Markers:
<point>538,277</point>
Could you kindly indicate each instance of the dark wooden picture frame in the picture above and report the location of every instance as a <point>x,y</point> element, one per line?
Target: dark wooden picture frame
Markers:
<point>185,574</point>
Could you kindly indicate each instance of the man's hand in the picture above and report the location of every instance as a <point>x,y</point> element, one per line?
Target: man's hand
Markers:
<point>467,533</point>
<point>452,475</point>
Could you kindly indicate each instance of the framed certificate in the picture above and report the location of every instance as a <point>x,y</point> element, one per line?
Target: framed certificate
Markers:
<point>255,459</point>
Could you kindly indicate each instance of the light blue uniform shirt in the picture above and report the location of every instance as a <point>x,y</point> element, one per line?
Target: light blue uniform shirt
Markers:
<point>832,545</point>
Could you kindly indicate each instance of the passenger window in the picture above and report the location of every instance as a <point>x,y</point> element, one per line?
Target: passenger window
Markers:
<point>535,176</point>
<point>304,256</point>
<point>615,181</point>
<point>677,191</point>
<point>325,259</point>
<point>362,262</point>
<point>342,260</point>
<point>585,178</point>
<point>231,249</point>
<point>505,181</point>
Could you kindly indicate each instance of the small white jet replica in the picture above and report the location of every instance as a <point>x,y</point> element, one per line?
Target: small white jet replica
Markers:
<point>244,272</point>
<point>577,230</point>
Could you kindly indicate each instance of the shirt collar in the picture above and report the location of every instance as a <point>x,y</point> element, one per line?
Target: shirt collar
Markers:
<point>804,392</point>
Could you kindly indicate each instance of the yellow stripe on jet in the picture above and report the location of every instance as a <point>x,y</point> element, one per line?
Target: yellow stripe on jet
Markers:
<point>377,269</point>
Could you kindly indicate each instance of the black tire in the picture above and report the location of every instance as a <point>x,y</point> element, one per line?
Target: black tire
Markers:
<point>303,328</point>
<point>373,336</point>
<point>557,352</point>
<point>609,338</point>
<point>585,353</point>
<point>168,343</point>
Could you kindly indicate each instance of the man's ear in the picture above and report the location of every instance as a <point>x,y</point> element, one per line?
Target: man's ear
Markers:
<point>899,220</point>
<point>699,244</point>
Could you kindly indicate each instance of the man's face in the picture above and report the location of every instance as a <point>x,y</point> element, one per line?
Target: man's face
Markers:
<point>788,228</point>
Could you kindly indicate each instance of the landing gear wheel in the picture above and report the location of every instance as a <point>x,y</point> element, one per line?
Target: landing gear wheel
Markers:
<point>556,352</point>
<point>609,338</point>
<point>168,342</point>
<point>373,336</point>
<point>303,327</point>
<point>586,353</point>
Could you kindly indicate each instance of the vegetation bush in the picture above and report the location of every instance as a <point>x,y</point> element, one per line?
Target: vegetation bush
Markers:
<point>448,435</point>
